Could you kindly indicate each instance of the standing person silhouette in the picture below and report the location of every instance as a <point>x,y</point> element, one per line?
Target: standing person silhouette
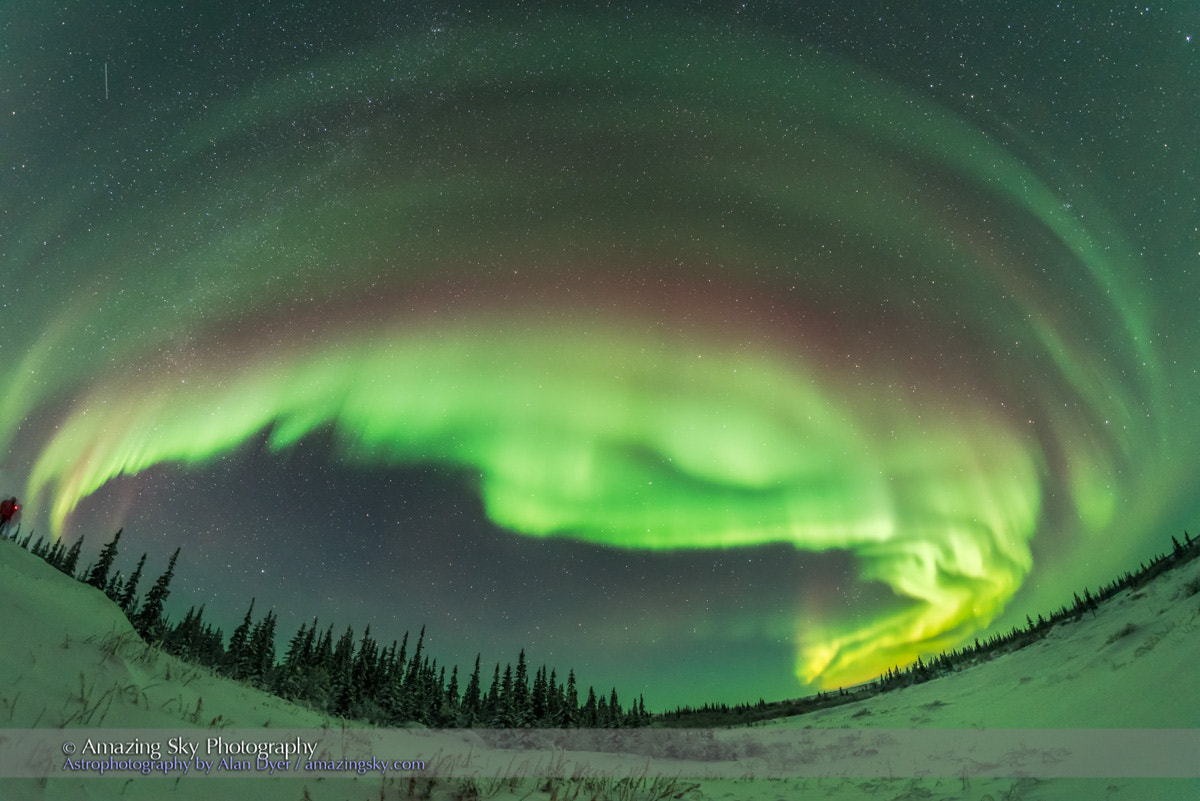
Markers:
<point>8,510</point>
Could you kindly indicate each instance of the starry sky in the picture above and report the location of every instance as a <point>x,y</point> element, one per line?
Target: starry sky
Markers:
<point>717,351</point>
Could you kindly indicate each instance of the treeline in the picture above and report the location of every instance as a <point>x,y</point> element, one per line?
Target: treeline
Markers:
<point>718,715</point>
<point>922,670</point>
<point>1035,630</point>
<point>354,677</point>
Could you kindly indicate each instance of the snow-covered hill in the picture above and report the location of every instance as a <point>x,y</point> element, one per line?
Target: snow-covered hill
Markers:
<point>70,663</point>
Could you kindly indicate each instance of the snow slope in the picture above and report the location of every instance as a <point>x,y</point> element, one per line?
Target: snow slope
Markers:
<point>70,664</point>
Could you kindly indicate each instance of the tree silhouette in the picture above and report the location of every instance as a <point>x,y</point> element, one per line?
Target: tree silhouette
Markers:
<point>98,576</point>
<point>128,600</point>
<point>150,618</point>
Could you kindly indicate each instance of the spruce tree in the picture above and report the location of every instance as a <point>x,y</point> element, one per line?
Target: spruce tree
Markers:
<point>296,656</point>
<point>113,588</point>
<point>316,686</point>
<point>261,651</point>
<point>503,715</point>
<point>365,675</point>
<point>212,648</point>
<point>519,703</point>
<point>53,553</point>
<point>569,715</point>
<point>150,618</point>
<point>391,680</point>
<point>589,714</point>
<point>194,642</point>
<point>401,661</point>
<point>323,651</point>
<point>413,692</point>
<point>614,709</point>
<point>365,670</point>
<point>174,640</point>
<point>439,708</point>
<point>128,601</point>
<point>452,694</point>
<point>537,699</point>
<point>469,714</point>
<point>295,661</point>
<point>492,700</point>
<point>344,692</point>
<point>554,701</point>
<point>98,577</point>
<point>237,655</point>
<point>414,665</point>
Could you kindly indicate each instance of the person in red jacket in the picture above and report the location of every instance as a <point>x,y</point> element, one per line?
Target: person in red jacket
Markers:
<point>8,510</point>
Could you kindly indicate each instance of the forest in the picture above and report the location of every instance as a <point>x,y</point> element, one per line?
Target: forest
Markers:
<point>357,677</point>
<point>347,675</point>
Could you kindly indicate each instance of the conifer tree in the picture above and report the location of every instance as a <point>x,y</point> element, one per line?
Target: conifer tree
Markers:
<point>261,651</point>
<point>129,599</point>
<point>184,639</point>
<point>150,618</point>
<point>554,701</point>
<point>614,709</point>
<point>471,698</point>
<point>390,677</point>
<point>173,636</point>
<point>237,655</point>
<point>519,703</point>
<point>295,662</point>
<point>196,641</point>
<point>113,588</point>
<point>53,553</point>
<point>492,700</point>
<point>365,674</point>
<point>401,661</point>
<point>452,693</point>
<point>427,692</point>
<point>439,707</point>
<point>345,696</point>
<point>412,694</point>
<point>569,715</point>
<point>414,665</point>
<point>98,576</point>
<point>316,686</point>
<point>212,649</point>
<point>295,656</point>
<point>502,716</point>
<point>537,699</point>
<point>588,717</point>
<point>323,650</point>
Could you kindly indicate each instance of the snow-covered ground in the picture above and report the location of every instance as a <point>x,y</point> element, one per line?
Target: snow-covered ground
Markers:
<point>71,667</point>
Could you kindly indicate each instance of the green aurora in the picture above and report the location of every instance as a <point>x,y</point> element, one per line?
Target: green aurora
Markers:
<point>655,284</point>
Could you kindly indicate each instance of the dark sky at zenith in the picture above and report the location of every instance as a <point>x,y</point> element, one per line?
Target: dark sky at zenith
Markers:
<point>717,351</point>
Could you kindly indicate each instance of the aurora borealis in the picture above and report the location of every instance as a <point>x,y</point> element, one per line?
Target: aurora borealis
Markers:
<point>620,295</point>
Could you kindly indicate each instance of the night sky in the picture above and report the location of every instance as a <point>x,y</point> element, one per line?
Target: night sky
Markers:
<point>717,354</point>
